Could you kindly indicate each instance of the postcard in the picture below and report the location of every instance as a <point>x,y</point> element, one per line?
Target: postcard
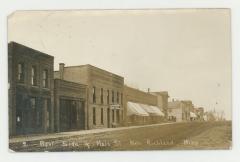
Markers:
<point>119,80</point>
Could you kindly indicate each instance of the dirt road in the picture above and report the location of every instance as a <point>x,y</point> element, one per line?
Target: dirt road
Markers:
<point>191,135</point>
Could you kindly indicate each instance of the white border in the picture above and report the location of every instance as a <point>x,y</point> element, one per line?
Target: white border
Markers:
<point>8,6</point>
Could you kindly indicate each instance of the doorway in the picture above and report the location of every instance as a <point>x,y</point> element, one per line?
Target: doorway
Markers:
<point>68,115</point>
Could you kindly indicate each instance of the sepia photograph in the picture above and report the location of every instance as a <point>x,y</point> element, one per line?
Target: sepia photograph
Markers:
<point>119,80</point>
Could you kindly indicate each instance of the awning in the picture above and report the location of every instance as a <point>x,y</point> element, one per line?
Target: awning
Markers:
<point>152,110</point>
<point>143,110</point>
<point>135,109</point>
<point>193,115</point>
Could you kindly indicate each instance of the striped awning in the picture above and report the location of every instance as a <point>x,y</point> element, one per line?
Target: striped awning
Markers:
<point>135,109</point>
<point>143,110</point>
<point>152,110</point>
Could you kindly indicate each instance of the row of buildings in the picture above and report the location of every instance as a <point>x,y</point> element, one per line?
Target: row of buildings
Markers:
<point>83,97</point>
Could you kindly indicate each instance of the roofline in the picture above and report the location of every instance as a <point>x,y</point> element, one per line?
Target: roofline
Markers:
<point>19,44</point>
<point>89,65</point>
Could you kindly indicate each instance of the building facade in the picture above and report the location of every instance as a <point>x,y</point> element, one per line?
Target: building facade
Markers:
<point>162,102</point>
<point>79,97</point>
<point>141,107</point>
<point>200,113</point>
<point>104,104</point>
<point>70,106</point>
<point>30,75</point>
<point>179,111</point>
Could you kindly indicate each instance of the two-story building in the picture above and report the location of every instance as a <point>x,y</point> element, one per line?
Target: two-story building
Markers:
<point>30,75</point>
<point>104,104</point>
<point>179,110</point>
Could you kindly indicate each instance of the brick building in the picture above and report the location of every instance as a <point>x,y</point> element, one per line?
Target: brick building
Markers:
<point>30,75</point>
<point>141,107</point>
<point>73,98</point>
<point>104,103</point>
<point>162,102</point>
<point>70,106</point>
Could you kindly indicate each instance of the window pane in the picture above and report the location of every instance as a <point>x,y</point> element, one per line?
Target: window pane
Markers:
<point>20,72</point>
<point>45,79</point>
<point>33,103</point>
<point>101,115</point>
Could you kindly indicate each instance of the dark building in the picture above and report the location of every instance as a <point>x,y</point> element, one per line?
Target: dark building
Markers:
<point>30,75</point>
<point>70,106</point>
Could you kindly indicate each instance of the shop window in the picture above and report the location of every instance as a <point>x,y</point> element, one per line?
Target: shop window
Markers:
<point>102,116</point>
<point>118,116</point>
<point>113,116</point>
<point>94,116</point>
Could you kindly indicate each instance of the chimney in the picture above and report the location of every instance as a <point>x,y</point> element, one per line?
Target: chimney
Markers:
<point>61,70</point>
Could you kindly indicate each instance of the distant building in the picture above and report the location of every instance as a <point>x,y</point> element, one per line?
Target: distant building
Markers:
<point>209,116</point>
<point>179,110</point>
<point>162,102</point>
<point>200,113</point>
<point>30,75</point>
<point>104,104</point>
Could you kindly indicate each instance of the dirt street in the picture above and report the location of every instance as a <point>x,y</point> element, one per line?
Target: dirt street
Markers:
<point>191,135</point>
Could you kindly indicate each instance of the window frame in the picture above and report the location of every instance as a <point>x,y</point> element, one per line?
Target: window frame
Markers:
<point>20,75</point>
<point>94,115</point>
<point>102,116</point>
<point>101,95</point>
<point>94,94</point>
<point>34,76</point>
<point>45,79</point>
<point>113,98</point>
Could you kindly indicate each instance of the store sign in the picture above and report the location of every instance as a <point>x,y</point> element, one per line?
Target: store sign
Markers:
<point>117,106</point>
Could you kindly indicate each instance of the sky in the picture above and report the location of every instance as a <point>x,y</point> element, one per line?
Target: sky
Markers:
<point>186,52</point>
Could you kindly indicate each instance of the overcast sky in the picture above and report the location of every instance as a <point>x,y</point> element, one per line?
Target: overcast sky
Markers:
<point>184,52</point>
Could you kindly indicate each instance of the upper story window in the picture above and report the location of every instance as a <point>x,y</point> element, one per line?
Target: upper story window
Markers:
<point>94,94</point>
<point>117,97</point>
<point>20,72</point>
<point>45,79</point>
<point>101,94</point>
<point>112,96</point>
<point>107,96</point>
<point>34,76</point>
